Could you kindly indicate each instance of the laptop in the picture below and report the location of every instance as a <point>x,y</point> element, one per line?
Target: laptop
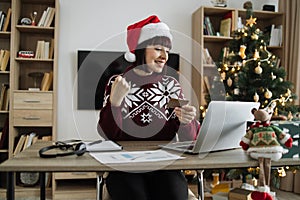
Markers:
<point>224,125</point>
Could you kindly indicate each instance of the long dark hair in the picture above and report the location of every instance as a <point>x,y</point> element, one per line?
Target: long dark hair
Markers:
<point>140,51</point>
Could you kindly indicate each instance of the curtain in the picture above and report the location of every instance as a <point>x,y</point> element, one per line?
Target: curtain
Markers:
<point>291,8</point>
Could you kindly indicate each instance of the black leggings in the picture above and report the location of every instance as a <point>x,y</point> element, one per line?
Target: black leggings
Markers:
<point>157,185</point>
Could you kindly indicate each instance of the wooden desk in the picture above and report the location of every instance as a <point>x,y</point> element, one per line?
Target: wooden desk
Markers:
<point>29,161</point>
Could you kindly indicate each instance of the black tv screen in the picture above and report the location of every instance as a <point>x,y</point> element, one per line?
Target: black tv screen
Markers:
<point>94,70</point>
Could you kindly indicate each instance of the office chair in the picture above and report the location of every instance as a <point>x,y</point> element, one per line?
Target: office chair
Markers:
<point>102,193</point>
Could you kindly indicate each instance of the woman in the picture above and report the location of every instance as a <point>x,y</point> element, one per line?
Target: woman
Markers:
<point>135,108</point>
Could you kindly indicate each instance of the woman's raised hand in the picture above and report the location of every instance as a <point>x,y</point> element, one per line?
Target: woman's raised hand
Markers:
<point>119,89</point>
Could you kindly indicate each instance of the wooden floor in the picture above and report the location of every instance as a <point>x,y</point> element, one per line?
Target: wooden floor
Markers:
<point>282,195</point>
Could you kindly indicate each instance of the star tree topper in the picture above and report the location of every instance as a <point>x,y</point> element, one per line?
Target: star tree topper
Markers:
<point>251,21</point>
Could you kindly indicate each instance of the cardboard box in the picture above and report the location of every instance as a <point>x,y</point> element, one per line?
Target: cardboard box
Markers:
<point>292,128</point>
<point>297,182</point>
<point>239,194</point>
<point>287,182</point>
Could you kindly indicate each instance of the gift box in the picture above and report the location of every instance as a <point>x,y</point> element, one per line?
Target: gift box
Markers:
<point>297,182</point>
<point>292,128</point>
<point>239,194</point>
<point>287,182</point>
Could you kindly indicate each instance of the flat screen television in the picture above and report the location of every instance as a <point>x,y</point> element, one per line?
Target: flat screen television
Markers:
<point>94,70</point>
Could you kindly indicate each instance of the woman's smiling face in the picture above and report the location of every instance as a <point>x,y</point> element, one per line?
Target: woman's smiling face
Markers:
<point>156,57</point>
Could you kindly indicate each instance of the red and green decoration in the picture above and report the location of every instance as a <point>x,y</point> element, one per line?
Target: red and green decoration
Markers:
<point>250,72</point>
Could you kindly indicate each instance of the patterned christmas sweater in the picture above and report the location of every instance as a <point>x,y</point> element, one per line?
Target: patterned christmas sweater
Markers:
<point>143,114</point>
<point>263,137</point>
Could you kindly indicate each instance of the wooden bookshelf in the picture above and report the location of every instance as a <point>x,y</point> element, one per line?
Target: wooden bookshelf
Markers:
<point>29,111</point>
<point>215,43</point>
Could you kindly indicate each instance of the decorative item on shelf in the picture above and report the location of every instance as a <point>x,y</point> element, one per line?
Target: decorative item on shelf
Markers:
<point>25,21</point>
<point>267,7</point>
<point>29,178</point>
<point>37,78</point>
<point>247,5</point>
<point>26,54</point>
<point>33,18</point>
<point>219,3</point>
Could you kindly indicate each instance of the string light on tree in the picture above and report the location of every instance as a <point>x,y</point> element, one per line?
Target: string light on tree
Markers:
<point>252,70</point>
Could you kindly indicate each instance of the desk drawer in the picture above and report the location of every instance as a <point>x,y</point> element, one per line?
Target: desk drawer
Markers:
<point>32,100</point>
<point>32,118</point>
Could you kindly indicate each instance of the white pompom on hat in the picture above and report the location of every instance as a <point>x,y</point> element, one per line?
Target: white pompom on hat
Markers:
<point>144,30</point>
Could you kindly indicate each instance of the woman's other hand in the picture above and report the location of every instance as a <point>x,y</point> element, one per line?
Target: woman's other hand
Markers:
<point>186,113</point>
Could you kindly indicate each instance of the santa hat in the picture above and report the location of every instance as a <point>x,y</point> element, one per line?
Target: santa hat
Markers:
<point>144,30</point>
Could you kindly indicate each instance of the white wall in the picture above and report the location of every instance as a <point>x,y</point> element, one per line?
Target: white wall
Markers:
<point>101,25</point>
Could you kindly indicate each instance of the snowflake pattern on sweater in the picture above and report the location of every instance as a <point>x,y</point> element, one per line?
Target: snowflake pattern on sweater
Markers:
<point>153,98</point>
<point>143,113</point>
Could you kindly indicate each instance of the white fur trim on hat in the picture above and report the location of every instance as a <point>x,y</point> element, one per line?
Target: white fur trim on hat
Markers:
<point>153,30</point>
<point>285,138</point>
<point>130,57</point>
<point>246,140</point>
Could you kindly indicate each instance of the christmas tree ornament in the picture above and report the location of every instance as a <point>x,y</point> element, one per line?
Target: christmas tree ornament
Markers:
<point>256,55</point>
<point>256,97</point>
<point>223,76</point>
<point>268,94</point>
<point>273,77</point>
<point>236,91</point>
<point>242,51</point>
<point>251,21</point>
<point>229,82</point>
<point>254,37</point>
<point>258,69</point>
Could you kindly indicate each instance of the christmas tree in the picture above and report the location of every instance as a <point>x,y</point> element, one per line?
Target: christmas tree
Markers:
<point>250,72</point>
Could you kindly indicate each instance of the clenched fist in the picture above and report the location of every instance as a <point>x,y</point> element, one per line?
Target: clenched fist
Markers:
<point>119,89</point>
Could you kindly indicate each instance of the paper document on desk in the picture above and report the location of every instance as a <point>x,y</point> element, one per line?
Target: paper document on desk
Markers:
<point>134,156</point>
<point>102,145</point>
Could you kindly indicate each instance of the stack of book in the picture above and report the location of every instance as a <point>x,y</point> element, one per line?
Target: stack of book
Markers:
<point>44,49</point>
<point>5,20</point>
<point>4,96</point>
<point>26,140</point>
<point>4,58</point>
<point>47,17</point>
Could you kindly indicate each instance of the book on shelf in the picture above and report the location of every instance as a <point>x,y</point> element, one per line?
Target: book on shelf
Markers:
<point>2,19</point>
<point>4,59</point>
<point>6,99</point>
<point>209,27</point>
<point>25,141</point>
<point>7,21</point>
<point>207,59</point>
<point>4,136</point>
<point>42,19</point>
<point>43,49</point>
<point>50,17</point>
<point>4,96</point>
<point>206,84</point>
<point>275,35</point>
<point>20,144</point>
<point>47,17</point>
<point>28,140</point>
<point>225,27</point>
<point>51,50</point>
<point>47,81</point>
